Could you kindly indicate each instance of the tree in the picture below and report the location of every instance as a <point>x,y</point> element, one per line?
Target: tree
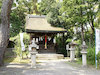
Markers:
<point>18,14</point>
<point>4,27</point>
<point>91,13</point>
<point>27,5</point>
<point>17,20</point>
<point>53,16</point>
<point>21,8</point>
<point>98,16</point>
<point>46,6</point>
<point>81,14</point>
<point>51,9</point>
<point>35,7</point>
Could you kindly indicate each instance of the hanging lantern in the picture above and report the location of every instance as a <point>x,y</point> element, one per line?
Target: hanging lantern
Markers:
<point>41,39</point>
<point>49,38</point>
<point>37,40</point>
<point>54,40</point>
<point>58,35</point>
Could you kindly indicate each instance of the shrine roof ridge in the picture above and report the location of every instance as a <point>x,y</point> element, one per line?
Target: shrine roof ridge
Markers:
<point>36,16</point>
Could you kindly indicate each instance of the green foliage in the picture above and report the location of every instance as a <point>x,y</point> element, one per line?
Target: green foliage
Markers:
<point>68,40</point>
<point>98,16</point>
<point>78,52</point>
<point>98,58</point>
<point>61,45</point>
<point>17,19</point>
<point>26,5</point>
<point>91,55</point>
<point>0,9</point>
<point>78,13</point>
<point>53,16</point>
<point>74,12</point>
<point>0,5</point>
<point>11,44</point>
<point>78,49</point>
<point>17,42</point>
<point>46,6</point>
<point>51,9</point>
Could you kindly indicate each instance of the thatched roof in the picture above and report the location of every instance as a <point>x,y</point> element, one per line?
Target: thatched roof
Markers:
<point>40,24</point>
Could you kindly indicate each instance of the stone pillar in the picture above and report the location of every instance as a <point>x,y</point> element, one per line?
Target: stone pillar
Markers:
<point>72,54</point>
<point>33,59</point>
<point>72,51</point>
<point>84,54</point>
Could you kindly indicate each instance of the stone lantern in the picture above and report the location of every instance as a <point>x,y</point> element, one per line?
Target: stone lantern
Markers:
<point>84,53</point>
<point>33,53</point>
<point>72,51</point>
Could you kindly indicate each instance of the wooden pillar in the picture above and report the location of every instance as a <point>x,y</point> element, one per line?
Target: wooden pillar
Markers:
<point>31,38</point>
<point>45,41</point>
<point>63,39</point>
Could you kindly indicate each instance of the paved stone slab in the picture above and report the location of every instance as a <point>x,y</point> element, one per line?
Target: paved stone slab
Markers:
<point>50,67</point>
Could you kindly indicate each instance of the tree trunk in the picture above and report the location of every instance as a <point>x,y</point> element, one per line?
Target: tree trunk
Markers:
<point>92,25</point>
<point>82,33</point>
<point>35,8</point>
<point>82,27</point>
<point>4,27</point>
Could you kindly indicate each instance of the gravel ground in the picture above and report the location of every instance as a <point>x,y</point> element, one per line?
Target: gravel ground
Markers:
<point>47,67</point>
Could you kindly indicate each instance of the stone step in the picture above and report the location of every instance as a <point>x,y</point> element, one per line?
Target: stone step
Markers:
<point>49,56</point>
<point>47,51</point>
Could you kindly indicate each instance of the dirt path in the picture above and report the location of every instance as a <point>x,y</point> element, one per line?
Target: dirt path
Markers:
<point>49,67</point>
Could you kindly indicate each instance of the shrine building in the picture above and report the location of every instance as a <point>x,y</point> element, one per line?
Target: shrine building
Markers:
<point>42,32</point>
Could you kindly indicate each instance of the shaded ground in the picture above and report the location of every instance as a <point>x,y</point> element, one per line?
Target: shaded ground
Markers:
<point>50,67</point>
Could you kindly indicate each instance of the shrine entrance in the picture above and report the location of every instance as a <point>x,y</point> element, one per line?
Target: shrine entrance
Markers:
<point>46,42</point>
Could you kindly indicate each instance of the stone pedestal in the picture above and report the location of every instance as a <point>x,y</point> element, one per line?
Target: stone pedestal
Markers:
<point>33,59</point>
<point>72,51</point>
<point>84,54</point>
<point>72,54</point>
<point>84,59</point>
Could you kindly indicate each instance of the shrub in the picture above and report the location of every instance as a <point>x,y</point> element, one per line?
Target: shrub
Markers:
<point>11,44</point>
<point>98,58</point>
<point>91,55</point>
<point>17,42</point>
<point>78,49</point>
<point>77,52</point>
<point>61,46</point>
